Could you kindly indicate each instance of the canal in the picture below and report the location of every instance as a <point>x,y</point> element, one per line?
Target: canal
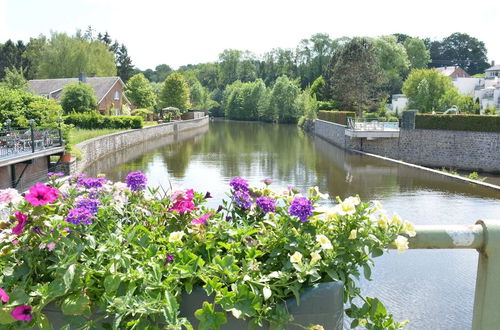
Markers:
<point>432,289</point>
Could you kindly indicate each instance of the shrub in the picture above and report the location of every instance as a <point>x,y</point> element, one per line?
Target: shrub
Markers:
<point>94,121</point>
<point>143,113</point>
<point>78,97</point>
<point>458,122</point>
<point>329,105</point>
<point>339,117</point>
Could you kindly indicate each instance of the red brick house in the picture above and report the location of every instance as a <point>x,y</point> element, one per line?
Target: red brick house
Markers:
<point>108,91</point>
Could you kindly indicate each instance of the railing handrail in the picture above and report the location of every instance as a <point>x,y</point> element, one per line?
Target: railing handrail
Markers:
<point>484,236</point>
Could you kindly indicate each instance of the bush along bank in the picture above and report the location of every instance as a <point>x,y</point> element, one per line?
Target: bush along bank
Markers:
<point>98,121</point>
<point>127,253</point>
<point>338,117</point>
<point>478,123</point>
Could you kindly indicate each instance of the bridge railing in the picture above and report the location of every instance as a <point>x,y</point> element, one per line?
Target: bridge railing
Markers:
<point>363,124</point>
<point>484,236</point>
<point>17,141</point>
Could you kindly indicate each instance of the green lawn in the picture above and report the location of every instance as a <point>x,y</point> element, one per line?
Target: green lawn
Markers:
<point>77,135</point>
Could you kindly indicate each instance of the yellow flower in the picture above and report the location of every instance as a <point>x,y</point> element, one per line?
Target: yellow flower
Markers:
<point>376,205</point>
<point>401,243</point>
<point>296,257</point>
<point>383,221</point>
<point>324,242</point>
<point>316,327</point>
<point>315,257</point>
<point>324,196</point>
<point>175,236</point>
<point>353,234</point>
<point>409,229</point>
<point>396,219</point>
<point>347,207</point>
<point>363,322</point>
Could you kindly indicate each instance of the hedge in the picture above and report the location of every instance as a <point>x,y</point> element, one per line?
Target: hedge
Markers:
<point>479,123</point>
<point>339,117</point>
<point>96,121</point>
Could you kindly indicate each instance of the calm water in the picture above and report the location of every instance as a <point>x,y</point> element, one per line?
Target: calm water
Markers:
<point>433,289</point>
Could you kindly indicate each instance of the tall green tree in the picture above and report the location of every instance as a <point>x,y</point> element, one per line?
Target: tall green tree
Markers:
<point>124,63</point>
<point>11,56</point>
<point>140,92</point>
<point>283,106</point>
<point>418,55</point>
<point>64,56</point>
<point>355,76</point>
<point>78,97</point>
<point>425,89</point>
<point>32,56</point>
<point>175,92</point>
<point>394,61</point>
<point>14,79</point>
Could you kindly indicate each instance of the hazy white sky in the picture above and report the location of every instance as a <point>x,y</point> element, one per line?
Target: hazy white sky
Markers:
<point>193,31</point>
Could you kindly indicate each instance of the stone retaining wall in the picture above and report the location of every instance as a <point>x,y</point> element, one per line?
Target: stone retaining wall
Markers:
<point>99,147</point>
<point>473,151</point>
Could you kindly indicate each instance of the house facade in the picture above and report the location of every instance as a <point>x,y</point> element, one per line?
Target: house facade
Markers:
<point>453,72</point>
<point>108,91</point>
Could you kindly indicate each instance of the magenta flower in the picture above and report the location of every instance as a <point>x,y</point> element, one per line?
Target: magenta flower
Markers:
<point>4,297</point>
<point>41,194</point>
<point>22,313</point>
<point>55,174</point>
<point>267,182</point>
<point>22,220</point>
<point>183,201</point>
<point>202,220</point>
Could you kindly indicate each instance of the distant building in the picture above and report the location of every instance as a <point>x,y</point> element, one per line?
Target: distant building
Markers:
<point>493,72</point>
<point>108,91</point>
<point>453,72</point>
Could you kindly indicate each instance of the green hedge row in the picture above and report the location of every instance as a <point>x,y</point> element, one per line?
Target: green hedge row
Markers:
<point>477,123</point>
<point>96,121</point>
<point>339,117</point>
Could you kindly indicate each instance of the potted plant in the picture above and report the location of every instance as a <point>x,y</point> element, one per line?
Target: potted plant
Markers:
<point>126,256</point>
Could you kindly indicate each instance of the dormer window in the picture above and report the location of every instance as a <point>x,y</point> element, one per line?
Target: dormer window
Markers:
<point>117,96</point>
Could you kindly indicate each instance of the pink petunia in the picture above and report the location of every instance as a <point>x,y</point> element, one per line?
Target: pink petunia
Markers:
<point>22,220</point>
<point>4,297</point>
<point>202,220</point>
<point>8,195</point>
<point>183,201</point>
<point>41,194</point>
<point>22,313</point>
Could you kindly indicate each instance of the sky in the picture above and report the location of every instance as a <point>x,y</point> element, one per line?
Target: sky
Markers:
<point>195,31</point>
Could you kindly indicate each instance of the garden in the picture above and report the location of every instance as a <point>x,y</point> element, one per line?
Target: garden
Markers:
<point>122,255</point>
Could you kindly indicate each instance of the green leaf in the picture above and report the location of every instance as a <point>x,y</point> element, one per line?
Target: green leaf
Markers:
<point>367,272</point>
<point>43,323</point>
<point>5,317</point>
<point>209,319</point>
<point>57,288</point>
<point>376,252</point>
<point>111,283</point>
<point>18,297</point>
<point>76,304</point>
<point>69,276</point>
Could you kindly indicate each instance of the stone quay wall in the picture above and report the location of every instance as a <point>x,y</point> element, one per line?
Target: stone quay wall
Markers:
<point>473,151</point>
<point>101,146</point>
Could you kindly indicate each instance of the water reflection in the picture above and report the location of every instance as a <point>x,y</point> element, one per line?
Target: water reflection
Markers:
<point>434,289</point>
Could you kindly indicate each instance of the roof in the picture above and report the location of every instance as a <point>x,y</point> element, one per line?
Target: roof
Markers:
<point>52,87</point>
<point>447,70</point>
<point>494,68</point>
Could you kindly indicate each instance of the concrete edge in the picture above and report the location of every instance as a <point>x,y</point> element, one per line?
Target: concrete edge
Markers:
<point>451,176</point>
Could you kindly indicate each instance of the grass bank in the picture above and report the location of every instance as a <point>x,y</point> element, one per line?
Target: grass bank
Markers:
<point>77,135</point>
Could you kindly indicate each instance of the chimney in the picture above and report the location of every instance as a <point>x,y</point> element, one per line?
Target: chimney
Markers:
<point>492,63</point>
<point>82,77</point>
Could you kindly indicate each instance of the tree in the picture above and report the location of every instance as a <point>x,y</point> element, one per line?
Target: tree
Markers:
<point>283,106</point>
<point>355,76</point>
<point>318,89</point>
<point>418,55</point>
<point>393,60</point>
<point>65,56</point>
<point>32,56</point>
<point>465,51</point>
<point>425,88</point>
<point>14,79</point>
<point>175,92</point>
<point>245,101</point>
<point>140,92</point>
<point>11,56</point>
<point>124,63</point>
<point>78,97</point>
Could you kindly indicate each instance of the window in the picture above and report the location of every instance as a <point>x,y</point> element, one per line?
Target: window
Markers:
<point>117,95</point>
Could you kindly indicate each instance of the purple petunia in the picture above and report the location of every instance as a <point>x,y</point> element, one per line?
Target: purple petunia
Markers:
<point>136,180</point>
<point>301,207</point>
<point>55,174</point>
<point>88,203</point>
<point>242,200</point>
<point>79,215</point>
<point>266,204</point>
<point>239,184</point>
<point>169,258</point>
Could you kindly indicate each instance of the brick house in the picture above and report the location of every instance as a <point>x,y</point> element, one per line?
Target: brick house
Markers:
<point>108,91</point>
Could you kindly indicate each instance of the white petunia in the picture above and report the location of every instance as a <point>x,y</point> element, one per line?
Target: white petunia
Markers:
<point>296,257</point>
<point>324,242</point>
<point>175,236</point>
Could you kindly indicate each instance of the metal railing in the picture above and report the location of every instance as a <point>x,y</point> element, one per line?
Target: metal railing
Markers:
<point>362,124</point>
<point>17,141</point>
<point>484,236</point>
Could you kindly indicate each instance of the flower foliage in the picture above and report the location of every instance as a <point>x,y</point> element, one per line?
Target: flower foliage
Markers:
<point>131,253</point>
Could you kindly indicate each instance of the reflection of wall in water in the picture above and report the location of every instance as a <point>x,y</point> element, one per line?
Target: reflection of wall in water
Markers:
<point>113,160</point>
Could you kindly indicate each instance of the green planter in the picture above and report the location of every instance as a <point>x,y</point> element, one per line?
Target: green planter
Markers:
<point>321,304</point>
